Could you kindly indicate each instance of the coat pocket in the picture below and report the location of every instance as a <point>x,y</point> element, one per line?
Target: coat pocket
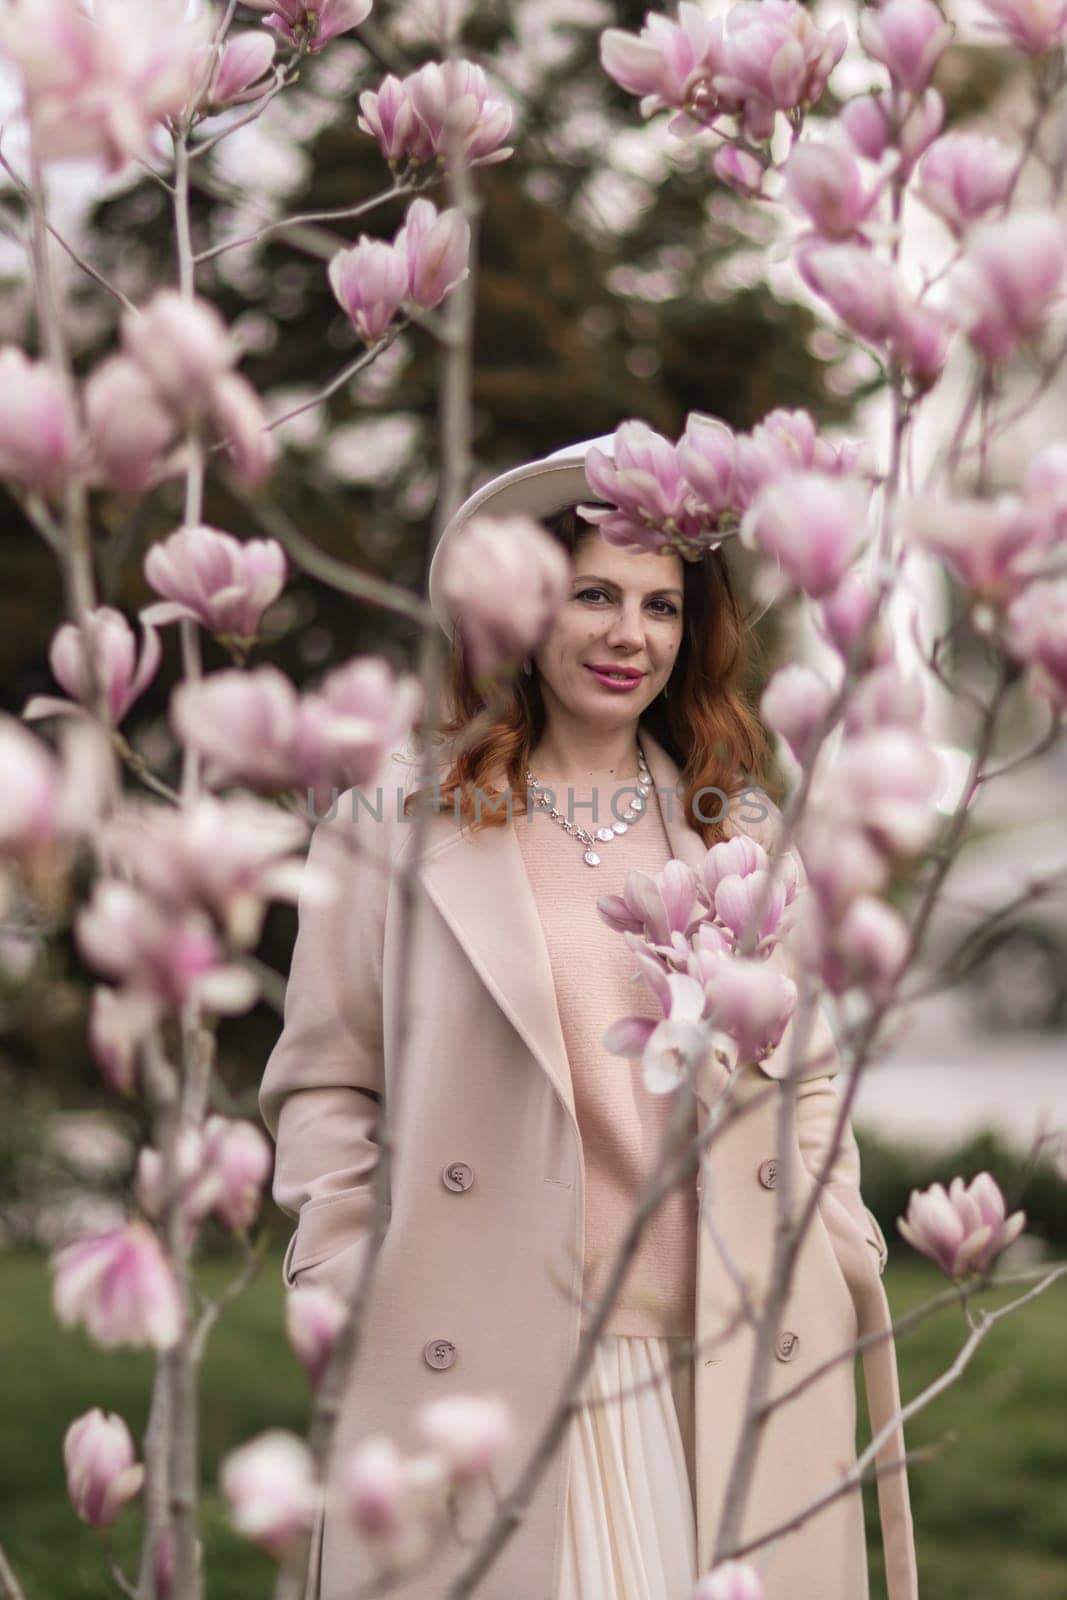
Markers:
<point>326,1226</point>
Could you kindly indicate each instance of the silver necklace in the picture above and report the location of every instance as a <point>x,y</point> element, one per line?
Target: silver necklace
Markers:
<point>605,834</point>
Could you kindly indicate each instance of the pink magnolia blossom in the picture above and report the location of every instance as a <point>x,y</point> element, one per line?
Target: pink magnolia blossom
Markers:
<point>751,907</point>
<point>1044,488</point>
<point>909,124</point>
<point>435,250</point>
<point>739,170</point>
<point>39,435</point>
<point>242,425</point>
<point>120,1287</point>
<point>787,441</point>
<point>861,288</point>
<point>667,61</point>
<point>823,183</point>
<point>196,1188</point>
<point>963,1229</point>
<point>1037,634</point>
<point>866,949</point>
<point>95,84</point>
<point>270,1487</point>
<point>1009,280</point>
<point>244,724</point>
<point>227,857</point>
<point>103,1473</point>
<point>30,791</point>
<point>732,1580</point>
<point>112,650</point>
<point>253,727</point>
<point>841,860</point>
<point>314,1316</point>
<point>370,284</point>
<point>736,857</point>
<point>908,37</point>
<point>705,454</point>
<point>409,116</point>
<point>963,175</point>
<point>794,703</point>
<point>774,58</point>
<point>992,546</point>
<point>751,1001</point>
<point>885,697</point>
<point>674,1052</point>
<point>502,581</point>
<point>240,1159</point>
<point>652,502</point>
<point>670,1050</point>
<point>309,25</point>
<point>123,934</point>
<point>241,71</point>
<point>656,906</point>
<point>392,1501</point>
<point>221,582</point>
<point>885,782</point>
<point>849,619</point>
<point>812,524</point>
<point>1033,26</point>
<point>182,346</point>
<point>119,1020</point>
<point>469,1433</point>
<point>919,342</point>
<point>130,429</point>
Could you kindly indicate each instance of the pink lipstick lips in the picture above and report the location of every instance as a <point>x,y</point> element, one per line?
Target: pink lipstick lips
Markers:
<point>626,678</point>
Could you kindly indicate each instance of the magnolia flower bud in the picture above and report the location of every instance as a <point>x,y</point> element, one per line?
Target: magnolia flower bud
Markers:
<point>314,1316</point>
<point>812,523</point>
<point>733,1580</point>
<point>469,1432</point>
<point>269,1485</point>
<point>120,1286</point>
<point>503,579</point>
<point>964,1229</point>
<point>102,1468</point>
<point>38,427</point>
<point>225,584</point>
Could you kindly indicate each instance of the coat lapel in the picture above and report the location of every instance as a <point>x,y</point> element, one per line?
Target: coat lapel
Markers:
<point>479,885</point>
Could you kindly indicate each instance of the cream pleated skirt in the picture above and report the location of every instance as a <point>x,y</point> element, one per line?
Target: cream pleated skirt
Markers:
<point>630,1529</point>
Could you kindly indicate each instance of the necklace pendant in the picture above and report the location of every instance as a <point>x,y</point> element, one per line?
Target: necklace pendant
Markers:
<point>592,858</point>
<point>604,833</point>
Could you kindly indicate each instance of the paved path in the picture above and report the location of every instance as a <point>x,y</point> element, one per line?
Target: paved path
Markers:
<point>942,1080</point>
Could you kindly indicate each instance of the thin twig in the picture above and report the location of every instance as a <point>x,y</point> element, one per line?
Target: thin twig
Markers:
<point>306,218</point>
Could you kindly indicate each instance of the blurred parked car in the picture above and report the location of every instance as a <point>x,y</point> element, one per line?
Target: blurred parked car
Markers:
<point>1009,946</point>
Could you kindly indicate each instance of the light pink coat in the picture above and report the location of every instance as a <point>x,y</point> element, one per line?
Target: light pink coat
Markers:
<point>494,1268</point>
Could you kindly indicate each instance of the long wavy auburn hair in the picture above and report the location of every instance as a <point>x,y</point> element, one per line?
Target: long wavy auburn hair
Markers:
<point>705,722</point>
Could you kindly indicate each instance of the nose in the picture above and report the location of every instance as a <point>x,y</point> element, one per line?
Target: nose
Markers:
<point>626,629</point>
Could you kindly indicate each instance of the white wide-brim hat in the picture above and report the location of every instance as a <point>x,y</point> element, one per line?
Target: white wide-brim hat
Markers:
<point>539,489</point>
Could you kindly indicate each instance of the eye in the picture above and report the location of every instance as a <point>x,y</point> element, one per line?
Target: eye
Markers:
<point>670,611</point>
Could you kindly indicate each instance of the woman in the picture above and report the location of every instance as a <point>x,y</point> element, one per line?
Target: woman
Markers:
<point>520,1144</point>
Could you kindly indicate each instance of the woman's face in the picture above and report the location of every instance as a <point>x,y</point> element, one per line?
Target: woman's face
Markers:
<point>624,610</point>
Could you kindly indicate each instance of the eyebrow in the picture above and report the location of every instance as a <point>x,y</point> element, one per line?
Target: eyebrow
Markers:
<point>591,577</point>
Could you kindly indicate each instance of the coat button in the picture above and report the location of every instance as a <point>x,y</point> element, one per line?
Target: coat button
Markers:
<point>439,1353</point>
<point>457,1175</point>
<point>786,1344</point>
<point>768,1173</point>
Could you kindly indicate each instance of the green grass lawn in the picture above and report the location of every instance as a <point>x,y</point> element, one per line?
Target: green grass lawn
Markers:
<point>990,1512</point>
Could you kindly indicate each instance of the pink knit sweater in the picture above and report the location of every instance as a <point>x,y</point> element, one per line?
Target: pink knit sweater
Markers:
<point>620,1122</point>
